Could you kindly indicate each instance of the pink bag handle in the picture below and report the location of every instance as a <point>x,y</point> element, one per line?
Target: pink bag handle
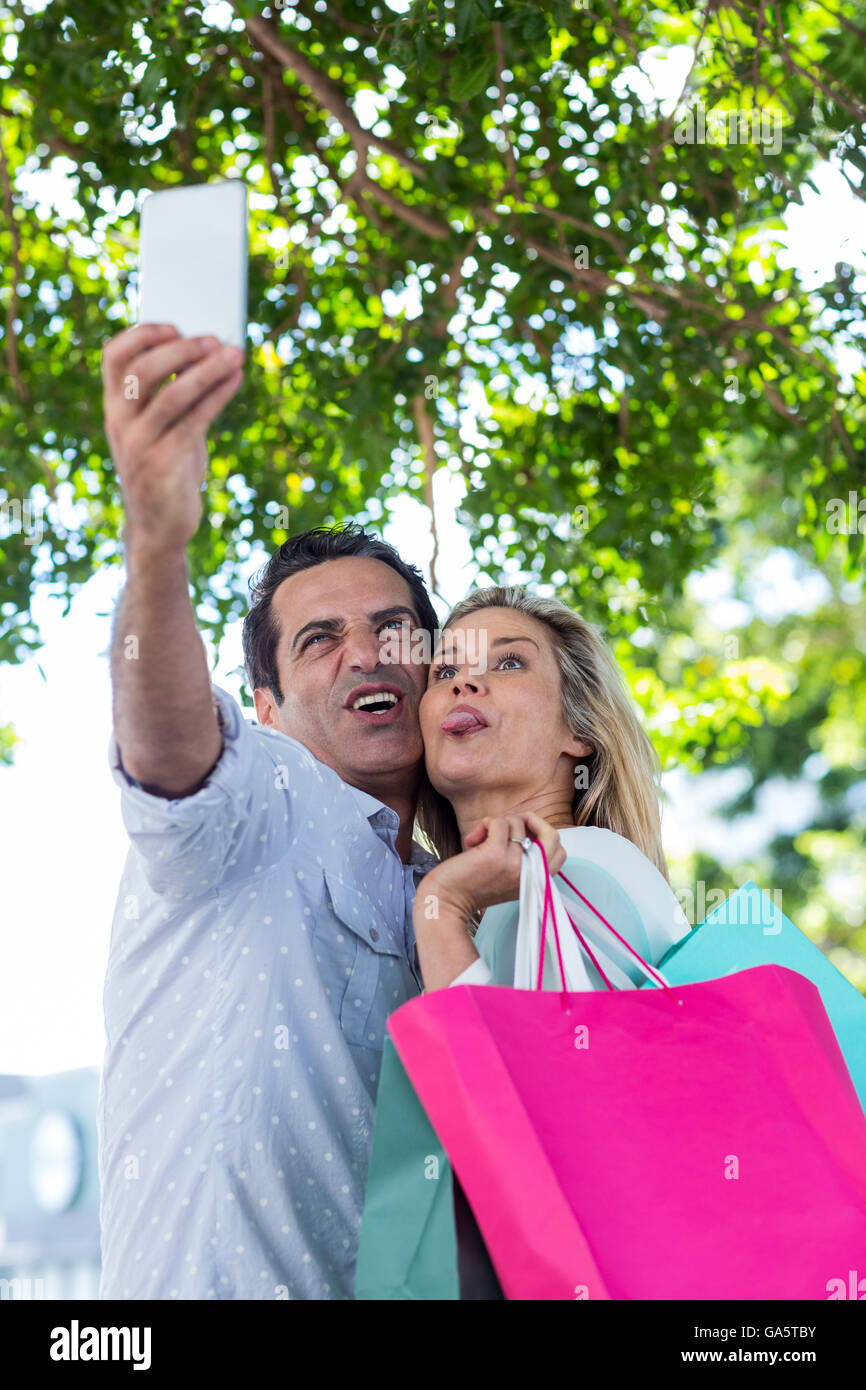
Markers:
<point>548,907</point>
<point>548,904</point>
<point>646,965</point>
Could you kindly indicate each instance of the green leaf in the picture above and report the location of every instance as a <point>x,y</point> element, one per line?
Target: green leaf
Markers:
<point>153,76</point>
<point>535,27</point>
<point>464,21</point>
<point>469,76</point>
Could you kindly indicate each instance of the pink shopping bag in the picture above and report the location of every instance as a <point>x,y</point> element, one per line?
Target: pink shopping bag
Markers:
<point>703,1141</point>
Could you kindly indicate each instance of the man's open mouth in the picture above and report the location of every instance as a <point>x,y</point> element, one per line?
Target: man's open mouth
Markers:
<point>375,704</point>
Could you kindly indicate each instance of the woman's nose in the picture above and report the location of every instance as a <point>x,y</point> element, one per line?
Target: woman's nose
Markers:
<point>465,682</point>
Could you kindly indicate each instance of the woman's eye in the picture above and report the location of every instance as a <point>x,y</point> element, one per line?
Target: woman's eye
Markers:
<point>518,662</point>
<point>444,671</point>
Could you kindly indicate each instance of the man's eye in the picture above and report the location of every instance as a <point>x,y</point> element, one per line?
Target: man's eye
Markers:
<point>395,622</point>
<point>316,637</point>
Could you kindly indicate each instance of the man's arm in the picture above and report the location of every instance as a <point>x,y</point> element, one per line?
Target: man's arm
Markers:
<point>164,719</point>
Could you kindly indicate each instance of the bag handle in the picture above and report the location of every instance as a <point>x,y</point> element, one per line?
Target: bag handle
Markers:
<point>649,970</point>
<point>651,973</point>
<point>548,906</point>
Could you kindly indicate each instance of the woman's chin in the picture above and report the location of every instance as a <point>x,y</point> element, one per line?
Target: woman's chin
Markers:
<point>455,766</point>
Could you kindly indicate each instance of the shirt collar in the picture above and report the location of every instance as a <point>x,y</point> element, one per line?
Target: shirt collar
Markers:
<point>386,823</point>
<point>370,807</point>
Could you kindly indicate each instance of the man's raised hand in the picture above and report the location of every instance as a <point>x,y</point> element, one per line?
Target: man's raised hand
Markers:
<point>158,432</point>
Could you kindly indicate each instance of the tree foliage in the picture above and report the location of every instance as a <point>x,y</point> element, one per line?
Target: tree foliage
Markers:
<point>482,240</point>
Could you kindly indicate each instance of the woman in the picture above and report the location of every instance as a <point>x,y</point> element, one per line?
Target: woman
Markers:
<point>539,738</point>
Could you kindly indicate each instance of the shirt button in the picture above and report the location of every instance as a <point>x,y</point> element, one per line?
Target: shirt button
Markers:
<point>374,935</point>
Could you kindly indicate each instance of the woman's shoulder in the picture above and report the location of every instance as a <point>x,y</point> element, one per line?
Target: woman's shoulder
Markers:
<point>605,847</point>
<point>636,876</point>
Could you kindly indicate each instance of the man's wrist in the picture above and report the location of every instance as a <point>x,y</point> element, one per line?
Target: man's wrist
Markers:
<point>148,555</point>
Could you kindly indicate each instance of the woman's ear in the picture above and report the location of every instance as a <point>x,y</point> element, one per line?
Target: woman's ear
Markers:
<point>578,747</point>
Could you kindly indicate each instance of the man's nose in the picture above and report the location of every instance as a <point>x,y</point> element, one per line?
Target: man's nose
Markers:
<point>363,649</point>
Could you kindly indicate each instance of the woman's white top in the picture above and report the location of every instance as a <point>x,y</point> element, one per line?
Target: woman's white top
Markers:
<point>622,884</point>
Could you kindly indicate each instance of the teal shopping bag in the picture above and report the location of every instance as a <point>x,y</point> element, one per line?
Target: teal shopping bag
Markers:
<point>419,1239</point>
<point>749,929</point>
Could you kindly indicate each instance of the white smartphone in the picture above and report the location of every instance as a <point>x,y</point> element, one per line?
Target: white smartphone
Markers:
<point>193,260</point>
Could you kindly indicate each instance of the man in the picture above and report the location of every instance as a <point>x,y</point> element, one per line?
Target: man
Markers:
<point>263,927</point>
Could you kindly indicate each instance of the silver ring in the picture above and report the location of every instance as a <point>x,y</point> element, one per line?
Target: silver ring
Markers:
<point>525,844</point>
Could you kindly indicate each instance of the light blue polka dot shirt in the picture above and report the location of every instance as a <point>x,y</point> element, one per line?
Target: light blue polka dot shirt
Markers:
<point>261,937</point>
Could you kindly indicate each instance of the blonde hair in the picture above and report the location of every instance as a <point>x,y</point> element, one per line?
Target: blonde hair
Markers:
<point>623,770</point>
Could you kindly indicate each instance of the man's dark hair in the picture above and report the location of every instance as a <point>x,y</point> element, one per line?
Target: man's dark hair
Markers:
<point>261,630</point>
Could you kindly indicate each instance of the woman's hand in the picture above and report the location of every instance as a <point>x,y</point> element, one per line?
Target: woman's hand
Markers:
<point>487,872</point>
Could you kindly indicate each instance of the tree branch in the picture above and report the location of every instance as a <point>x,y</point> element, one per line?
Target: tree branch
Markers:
<point>853,107</point>
<point>12,307</point>
<point>846,23</point>
<point>424,426</point>
<point>709,11</point>
<point>325,92</point>
<point>451,291</point>
<point>360,181</point>
<point>505,126</point>
<point>840,431</point>
<point>756,65</point>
